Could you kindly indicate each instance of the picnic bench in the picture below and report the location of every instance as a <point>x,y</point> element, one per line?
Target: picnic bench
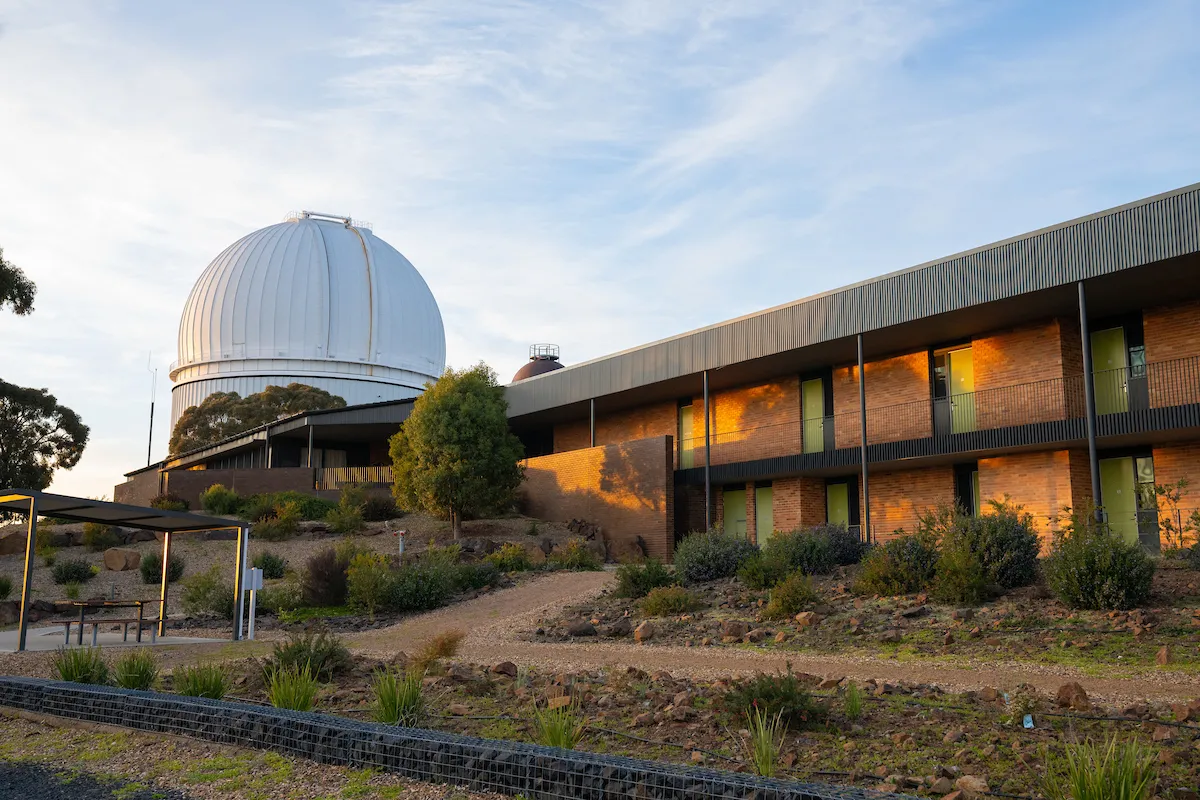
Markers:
<point>139,621</point>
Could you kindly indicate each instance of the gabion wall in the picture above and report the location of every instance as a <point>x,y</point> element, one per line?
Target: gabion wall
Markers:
<point>484,765</point>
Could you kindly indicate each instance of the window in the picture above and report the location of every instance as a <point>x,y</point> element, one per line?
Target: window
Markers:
<point>966,488</point>
<point>686,441</point>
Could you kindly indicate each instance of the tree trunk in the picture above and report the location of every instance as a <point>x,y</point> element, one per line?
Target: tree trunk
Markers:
<point>456,523</point>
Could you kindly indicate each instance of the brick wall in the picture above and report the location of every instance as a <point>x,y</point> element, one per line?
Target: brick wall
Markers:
<point>1173,462</point>
<point>1173,332</point>
<point>799,502</point>
<point>1043,483</point>
<point>898,498</point>
<point>749,422</point>
<point>1031,354</point>
<point>190,483</point>
<point>628,489</point>
<point>659,419</point>
<point>890,382</point>
<point>138,490</point>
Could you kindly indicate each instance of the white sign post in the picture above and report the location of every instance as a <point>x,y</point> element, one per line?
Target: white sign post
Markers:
<point>254,582</point>
<point>400,536</point>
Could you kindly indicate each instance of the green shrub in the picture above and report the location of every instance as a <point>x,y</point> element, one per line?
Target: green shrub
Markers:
<point>72,591</point>
<point>273,566</point>
<point>208,593</point>
<point>279,524</point>
<point>345,519</point>
<point>75,570</point>
<point>81,665</point>
<point>380,507</point>
<point>5,587</point>
<point>324,653</point>
<point>1089,567</point>
<point>420,587</point>
<point>325,582</point>
<point>559,727</point>
<point>367,582</point>
<point>309,506</point>
<point>575,555</point>
<point>205,680</point>
<point>136,669</point>
<point>638,580</point>
<point>169,502</point>
<point>791,596</point>
<point>845,546</point>
<point>217,499</point>
<point>710,555</point>
<point>853,701</point>
<point>804,550</point>
<point>511,557</point>
<point>293,688</point>
<point>765,742</point>
<point>1112,771</point>
<point>97,536</point>
<point>281,597</point>
<point>475,576</point>
<point>1194,556</point>
<point>960,577</point>
<point>779,694</point>
<point>667,600</point>
<point>151,568</point>
<point>902,565</point>
<point>399,699</point>
<point>1007,543</point>
<point>759,573</point>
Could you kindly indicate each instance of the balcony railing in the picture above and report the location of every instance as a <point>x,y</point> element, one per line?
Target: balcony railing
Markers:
<point>337,477</point>
<point>1147,387</point>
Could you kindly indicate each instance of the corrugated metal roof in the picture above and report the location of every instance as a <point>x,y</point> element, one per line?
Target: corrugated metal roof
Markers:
<point>1153,229</point>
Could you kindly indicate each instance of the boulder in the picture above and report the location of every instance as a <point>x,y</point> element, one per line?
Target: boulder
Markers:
<point>581,627</point>
<point>644,632</point>
<point>141,536</point>
<point>10,611</point>
<point>622,627</point>
<point>120,559</point>
<point>506,668</point>
<point>1071,695</point>
<point>734,628</point>
<point>537,555</point>
<point>1163,657</point>
<point>12,543</point>
<point>972,786</point>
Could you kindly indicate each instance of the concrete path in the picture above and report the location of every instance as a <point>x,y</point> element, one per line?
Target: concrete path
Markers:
<point>37,639</point>
<point>493,624</point>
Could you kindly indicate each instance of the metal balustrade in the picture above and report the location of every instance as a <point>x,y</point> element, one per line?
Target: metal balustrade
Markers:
<point>332,478</point>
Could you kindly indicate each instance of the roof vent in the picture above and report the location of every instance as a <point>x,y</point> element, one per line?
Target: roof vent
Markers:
<point>543,358</point>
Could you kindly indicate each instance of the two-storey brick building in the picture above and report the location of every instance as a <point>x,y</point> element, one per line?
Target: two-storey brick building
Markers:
<point>1060,368</point>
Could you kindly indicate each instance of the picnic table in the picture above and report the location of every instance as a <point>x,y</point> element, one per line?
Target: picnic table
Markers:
<point>85,605</point>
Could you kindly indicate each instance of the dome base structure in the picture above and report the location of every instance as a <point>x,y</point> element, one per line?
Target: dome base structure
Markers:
<point>354,392</point>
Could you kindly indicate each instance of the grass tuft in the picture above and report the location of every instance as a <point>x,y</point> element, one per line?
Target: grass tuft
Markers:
<point>444,645</point>
<point>852,702</point>
<point>559,727</point>
<point>399,698</point>
<point>293,688</point>
<point>81,665</point>
<point>136,669</point>
<point>766,740</point>
<point>1112,771</point>
<point>205,680</point>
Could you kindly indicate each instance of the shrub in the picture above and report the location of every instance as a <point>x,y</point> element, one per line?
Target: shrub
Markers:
<point>5,587</point>
<point>367,582</point>
<point>1194,557</point>
<point>293,688</point>
<point>151,568</point>
<point>49,556</point>
<point>169,502</point>
<point>790,596</point>
<point>804,550</point>
<point>845,546</point>
<point>1007,543</point>
<point>75,570</point>
<point>903,565</point>
<point>399,699</point>
<point>273,566</point>
<point>217,499</point>
<point>208,593</point>
<point>960,575</point>
<point>309,506</point>
<point>470,577</point>
<point>638,580</point>
<point>279,524</point>
<point>710,555</point>
<point>667,600</point>
<point>97,536</point>
<point>325,582</point>
<point>443,645</point>
<point>779,694</point>
<point>559,727</point>
<point>852,702</point>
<point>345,519</point>
<point>282,597</point>
<point>136,669</point>
<point>511,557</point>
<point>1088,567</point>
<point>322,652</point>
<point>766,739</point>
<point>1101,772</point>
<point>380,508</point>
<point>759,573</point>
<point>205,680</point>
<point>81,665</point>
<point>575,555</point>
<point>421,586</point>
<point>72,591</point>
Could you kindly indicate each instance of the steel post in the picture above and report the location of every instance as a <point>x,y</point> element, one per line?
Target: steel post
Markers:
<point>862,411</point>
<point>27,579</point>
<point>1089,399</point>
<point>708,506</point>
<point>162,593</point>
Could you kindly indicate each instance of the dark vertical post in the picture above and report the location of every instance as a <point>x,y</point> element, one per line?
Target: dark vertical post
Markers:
<point>310,445</point>
<point>707,462</point>
<point>162,592</point>
<point>239,577</point>
<point>268,448</point>
<point>150,438</point>
<point>593,421</point>
<point>27,580</point>
<point>862,411</point>
<point>1089,399</point>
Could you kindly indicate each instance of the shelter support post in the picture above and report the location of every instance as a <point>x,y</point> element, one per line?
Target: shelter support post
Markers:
<point>1089,399</point>
<point>708,505</point>
<point>27,578</point>
<point>239,580</point>
<point>162,592</point>
<point>862,411</point>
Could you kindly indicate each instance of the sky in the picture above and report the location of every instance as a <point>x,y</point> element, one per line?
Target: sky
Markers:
<point>594,174</point>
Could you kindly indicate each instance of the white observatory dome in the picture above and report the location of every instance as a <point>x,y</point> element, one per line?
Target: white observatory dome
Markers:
<point>318,300</point>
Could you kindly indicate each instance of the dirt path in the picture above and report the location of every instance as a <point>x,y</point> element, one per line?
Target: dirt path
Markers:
<point>494,622</point>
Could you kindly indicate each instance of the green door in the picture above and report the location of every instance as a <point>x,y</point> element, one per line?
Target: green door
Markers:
<point>1109,362</point>
<point>764,513</point>
<point>812,402</point>
<point>1119,490</point>
<point>961,367</point>
<point>686,442</point>
<point>735,511</point>
<point>837,504</point>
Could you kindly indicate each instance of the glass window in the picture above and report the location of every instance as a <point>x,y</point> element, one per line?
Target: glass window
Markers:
<point>1144,474</point>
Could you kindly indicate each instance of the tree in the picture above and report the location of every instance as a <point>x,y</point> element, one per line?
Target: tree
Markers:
<point>37,436</point>
<point>225,414</point>
<point>16,290</point>
<point>455,454</point>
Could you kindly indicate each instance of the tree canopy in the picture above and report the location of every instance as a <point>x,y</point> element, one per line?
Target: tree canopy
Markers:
<point>455,454</point>
<point>16,290</point>
<point>225,414</point>
<point>37,436</point>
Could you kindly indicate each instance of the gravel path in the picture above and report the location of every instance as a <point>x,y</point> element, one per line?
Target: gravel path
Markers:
<point>36,782</point>
<point>495,622</point>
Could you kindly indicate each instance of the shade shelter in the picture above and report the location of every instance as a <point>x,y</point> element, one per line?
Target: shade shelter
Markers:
<point>81,509</point>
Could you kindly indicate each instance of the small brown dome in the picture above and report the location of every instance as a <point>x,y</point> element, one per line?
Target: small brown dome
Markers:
<point>543,358</point>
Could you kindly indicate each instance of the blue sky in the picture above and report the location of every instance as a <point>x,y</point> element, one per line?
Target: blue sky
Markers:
<point>596,174</point>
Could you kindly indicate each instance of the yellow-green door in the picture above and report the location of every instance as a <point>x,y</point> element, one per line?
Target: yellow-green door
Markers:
<point>961,366</point>
<point>837,504</point>
<point>686,442</point>
<point>1119,490</point>
<point>1109,362</point>
<point>812,403</point>
<point>735,511</point>
<point>764,513</point>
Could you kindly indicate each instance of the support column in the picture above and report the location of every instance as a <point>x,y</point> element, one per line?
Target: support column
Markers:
<point>708,506</point>
<point>862,411</point>
<point>268,447</point>
<point>162,593</point>
<point>239,579</point>
<point>592,427</point>
<point>27,578</point>
<point>1089,398</point>
<point>310,446</point>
